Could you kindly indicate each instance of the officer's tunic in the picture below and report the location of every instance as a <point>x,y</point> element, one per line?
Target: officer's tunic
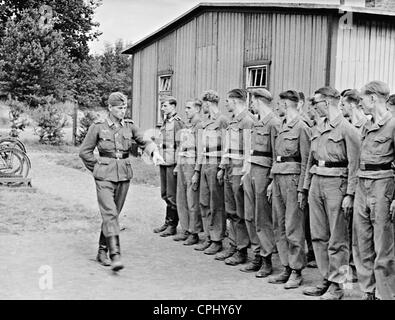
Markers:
<point>212,205</point>
<point>291,152</point>
<point>258,210</point>
<point>237,134</point>
<point>187,194</point>
<point>374,249</point>
<point>330,175</point>
<point>112,170</point>
<point>168,145</point>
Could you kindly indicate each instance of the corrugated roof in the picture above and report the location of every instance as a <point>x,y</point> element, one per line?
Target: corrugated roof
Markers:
<point>212,6</point>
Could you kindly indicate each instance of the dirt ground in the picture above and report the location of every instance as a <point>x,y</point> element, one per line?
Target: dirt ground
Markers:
<point>49,242</point>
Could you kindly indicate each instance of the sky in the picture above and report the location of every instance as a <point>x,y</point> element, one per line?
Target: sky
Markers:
<point>132,20</point>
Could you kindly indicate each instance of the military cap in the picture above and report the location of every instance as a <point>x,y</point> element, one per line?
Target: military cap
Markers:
<point>117,99</point>
<point>290,95</point>
<point>328,92</point>
<point>262,93</point>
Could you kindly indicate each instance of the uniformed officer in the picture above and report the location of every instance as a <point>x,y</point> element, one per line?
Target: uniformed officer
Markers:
<point>112,170</point>
<point>290,158</point>
<point>230,173</point>
<point>331,179</point>
<point>303,111</point>
<point>188,176</point>
<point>169,141</point>
<point>374,207</point>
<point>212,203</point>
<point>258,211</point>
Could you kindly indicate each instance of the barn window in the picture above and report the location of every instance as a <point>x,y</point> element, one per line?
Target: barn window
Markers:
<point>256,77</point>
<point>164,89</point>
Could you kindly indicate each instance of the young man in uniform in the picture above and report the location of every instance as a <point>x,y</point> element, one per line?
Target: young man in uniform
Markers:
<point>168,179</point>
<point>291,152</point>
<point>256,178</point>
<point>187,170</point>
<point>374,205</point>
<point>230,173</point>
<point>212,205</point>
<point>112,171</point>
<point>352,110</point>
<point>331,179</point>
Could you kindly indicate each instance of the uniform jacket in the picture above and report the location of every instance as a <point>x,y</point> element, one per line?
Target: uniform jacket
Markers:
<point>293,140</point>
<point>190,140</point>
<point>238,134</point>
<point>263,136</point>
<point>378,146</point>
<point>108,138</point>
<point>335,141</point>
<point>212,138</point>
<point>169,139</point>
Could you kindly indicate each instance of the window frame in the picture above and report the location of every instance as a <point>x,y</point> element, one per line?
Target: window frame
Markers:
<point>162,93</point>
<point>256,64</point>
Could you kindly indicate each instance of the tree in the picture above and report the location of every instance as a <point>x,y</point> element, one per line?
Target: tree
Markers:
<point>33,61</point>
<point>72,18</point>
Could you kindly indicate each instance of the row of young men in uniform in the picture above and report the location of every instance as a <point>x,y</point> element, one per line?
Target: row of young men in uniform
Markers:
<point>270,169</point>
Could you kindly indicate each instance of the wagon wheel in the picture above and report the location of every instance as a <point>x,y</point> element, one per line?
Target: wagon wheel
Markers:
<point>12,143</point>
<point>14,162</point>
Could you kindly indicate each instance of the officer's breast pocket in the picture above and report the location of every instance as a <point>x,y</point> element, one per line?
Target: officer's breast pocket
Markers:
<point>127,140</point>
<point>382,145</point>
<point>291,143</point>
<point>262,139</point>
<point>336,146</point>
<point>106,141</point>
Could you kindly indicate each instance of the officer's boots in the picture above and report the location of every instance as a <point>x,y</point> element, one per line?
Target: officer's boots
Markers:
<point>282,277</point>
<point>254,265</point>
<point>115,252</point>
<point>266,267</point>
<point>102,257</point>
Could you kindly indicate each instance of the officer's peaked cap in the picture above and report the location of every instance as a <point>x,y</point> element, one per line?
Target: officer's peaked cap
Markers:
<point>117,99</point>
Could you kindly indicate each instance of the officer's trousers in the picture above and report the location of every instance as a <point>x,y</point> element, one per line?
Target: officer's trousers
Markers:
<point>111,198</point>
<point>168,188</point>
<point>212,203</point>
<point>374,248</point>
<point>258,210</point>
<point>234,208</point>
<point>289,221</point>
<point>188,200</point>
<point>329,226</point>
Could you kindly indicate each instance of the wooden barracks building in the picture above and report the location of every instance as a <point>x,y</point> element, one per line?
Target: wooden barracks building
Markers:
<point>278,46</point>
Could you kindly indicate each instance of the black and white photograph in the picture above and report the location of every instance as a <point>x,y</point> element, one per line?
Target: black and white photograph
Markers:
<point>197,155</point>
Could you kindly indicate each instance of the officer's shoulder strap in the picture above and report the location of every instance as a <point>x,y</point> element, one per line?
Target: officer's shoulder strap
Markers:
<point>177,117</point>
<point>129,121</point>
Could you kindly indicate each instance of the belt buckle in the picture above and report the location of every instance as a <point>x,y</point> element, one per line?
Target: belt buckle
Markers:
<point>118,155</point>
<point>363,166</point>
<point>278,158</point>
<point>251,152</point>
<point>321,163</point>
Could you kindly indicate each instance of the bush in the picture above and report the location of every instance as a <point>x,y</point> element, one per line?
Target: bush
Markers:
<point>85,123</point>
<point>18,123</point>
<point>50,121</point>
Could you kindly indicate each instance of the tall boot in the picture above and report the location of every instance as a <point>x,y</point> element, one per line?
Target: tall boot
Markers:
<point>102,257</point>
<point>115,252</point>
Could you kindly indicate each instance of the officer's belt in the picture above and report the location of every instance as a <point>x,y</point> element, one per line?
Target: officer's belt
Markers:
<point>115,155</point>
<point>288,159</point>
<point>329,164</point>
<point>375,167</point>
<point>211,149</point>
<point>261,153</point>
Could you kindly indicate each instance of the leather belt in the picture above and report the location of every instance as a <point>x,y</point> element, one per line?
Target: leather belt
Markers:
<point>329,164</point>
<point>288,159</point>
<point>211,149</point>
<point>261,153</point>
<point>375,167</point>
<point>115,155</point>
<point>235,151</point>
